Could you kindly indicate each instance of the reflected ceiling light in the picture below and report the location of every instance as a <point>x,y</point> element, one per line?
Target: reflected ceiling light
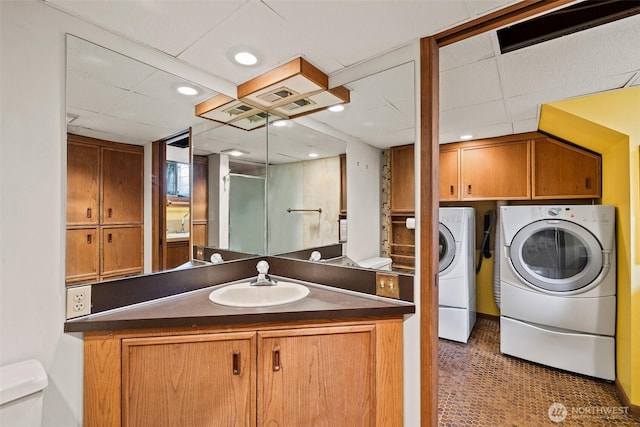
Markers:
<point>245,58</point>
<point>336,108</point>
<point>234,152</point>
<point>187,90</point>
<point>280,123</point>
<point>466,137</point>
<point>313,154</point>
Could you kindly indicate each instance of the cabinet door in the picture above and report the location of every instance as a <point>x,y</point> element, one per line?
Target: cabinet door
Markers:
<point>122,186</point>
<point>199,234</point>
<point>82,255</point>
<point>200,188</point>
<point>496,171</point>
<point>121,251</point>
<point>562,171</point>
<point>194,380</point>
<point>177,253</point>
<point>402,179</point>
<point>82,184</point>
<point>317,377</point>
<point>449,175</point>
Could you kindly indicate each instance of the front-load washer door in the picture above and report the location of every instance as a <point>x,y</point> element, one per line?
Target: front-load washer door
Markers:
<point>557,256</point>
<point>447,248</point>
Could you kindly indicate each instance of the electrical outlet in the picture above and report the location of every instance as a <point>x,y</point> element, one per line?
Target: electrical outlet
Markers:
<point>200,253</point>
<point>78,301</point>
<point>387,285</point>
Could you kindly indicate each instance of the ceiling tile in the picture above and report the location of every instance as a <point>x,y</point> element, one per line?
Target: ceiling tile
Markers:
<point>466,52</point>
<point>473,116</point>
<point>584,56</point>
<point>169,26</point>
<point>472,84</point>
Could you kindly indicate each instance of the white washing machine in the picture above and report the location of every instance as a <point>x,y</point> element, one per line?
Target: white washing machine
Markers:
<point>558,287</point>
<point>457,278</point>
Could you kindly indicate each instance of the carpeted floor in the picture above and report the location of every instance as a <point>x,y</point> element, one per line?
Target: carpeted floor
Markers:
<point>478,386</point>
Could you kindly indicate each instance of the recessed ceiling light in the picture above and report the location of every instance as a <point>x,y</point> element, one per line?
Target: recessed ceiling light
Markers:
<point>187,90</point>
<point>234,152</point>
<point>279,123</point>
<point>313,154</point>
<point>466,137</point>
<point>336,108</point>
<point>245,58</point>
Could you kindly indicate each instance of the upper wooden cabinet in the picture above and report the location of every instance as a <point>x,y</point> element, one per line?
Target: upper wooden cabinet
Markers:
<point>200,191</point>
<point>122,191</point>
<point>518,167</point>
<point>402,179</point>
<point>495,171</point>
<point>83,184</point>
<point>449,174</point>
<point>563,171</point>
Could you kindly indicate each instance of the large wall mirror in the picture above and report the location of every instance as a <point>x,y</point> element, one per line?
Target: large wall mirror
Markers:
<point>275,189</point>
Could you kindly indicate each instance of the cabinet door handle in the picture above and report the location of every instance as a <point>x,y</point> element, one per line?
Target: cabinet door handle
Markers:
<point>587,182</point>
<point>109,212</point>
<point>88,212</point>
<point>469,189</point>
<point>236,363</point>
<point>276,359</point>
<point>109,237</point>
<point>89,239</point>
<point>451,190</point>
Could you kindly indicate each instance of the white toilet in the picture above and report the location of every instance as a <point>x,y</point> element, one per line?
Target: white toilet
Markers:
<point>378,263</point>
<point>21,386</point>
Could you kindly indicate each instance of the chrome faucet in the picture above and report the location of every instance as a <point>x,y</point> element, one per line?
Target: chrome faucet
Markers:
<point>263,278</point>
<point>182,222</point>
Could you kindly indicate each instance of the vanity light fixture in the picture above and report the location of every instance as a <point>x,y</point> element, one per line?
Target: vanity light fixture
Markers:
<point>466,137</point>
<point>336,108</point>
<point>187,90</point>
<point>292,90</point>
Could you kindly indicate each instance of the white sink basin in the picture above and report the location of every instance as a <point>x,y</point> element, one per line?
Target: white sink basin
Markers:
<point>173,236</point>
<point>246,295</point>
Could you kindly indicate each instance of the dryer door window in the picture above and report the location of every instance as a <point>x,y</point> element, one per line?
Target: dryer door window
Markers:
<point>556,255</point>
<point>447,248</point>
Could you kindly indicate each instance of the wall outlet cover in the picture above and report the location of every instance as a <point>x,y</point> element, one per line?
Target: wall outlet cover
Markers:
<point>78,301</point>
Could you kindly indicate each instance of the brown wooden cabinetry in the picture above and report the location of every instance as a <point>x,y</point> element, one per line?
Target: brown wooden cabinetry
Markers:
<point>205,379</point>
<point>104,209</point>
<point>449,174</point>
<point>564,171</point>
<point>177,253</point>
<point>311,374</point>
<point>518,167</point>
<point>402,179</point>
<point>199,198</point>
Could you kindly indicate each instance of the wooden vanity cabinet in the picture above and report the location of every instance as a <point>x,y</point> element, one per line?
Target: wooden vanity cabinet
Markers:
<point>177,253</point>
<point>497,171</point>
<point>104,209</point>
<point>318,373</point>
<point>564,171</point>
<point>192,380</point>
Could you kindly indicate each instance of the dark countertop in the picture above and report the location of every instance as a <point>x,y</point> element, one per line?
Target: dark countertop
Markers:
<point>193,309</point>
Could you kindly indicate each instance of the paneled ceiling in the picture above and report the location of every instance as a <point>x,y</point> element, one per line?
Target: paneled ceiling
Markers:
<point>483,92</point>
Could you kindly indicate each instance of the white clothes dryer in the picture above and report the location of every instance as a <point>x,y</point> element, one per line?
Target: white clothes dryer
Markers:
<point>457,289</point>
<point>558,286</point>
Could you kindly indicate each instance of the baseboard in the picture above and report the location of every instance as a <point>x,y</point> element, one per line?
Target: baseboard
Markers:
<point>488,316</point>
<point>633,409</point>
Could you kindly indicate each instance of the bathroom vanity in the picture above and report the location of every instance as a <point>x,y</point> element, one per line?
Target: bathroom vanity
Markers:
<point>333,358</point>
